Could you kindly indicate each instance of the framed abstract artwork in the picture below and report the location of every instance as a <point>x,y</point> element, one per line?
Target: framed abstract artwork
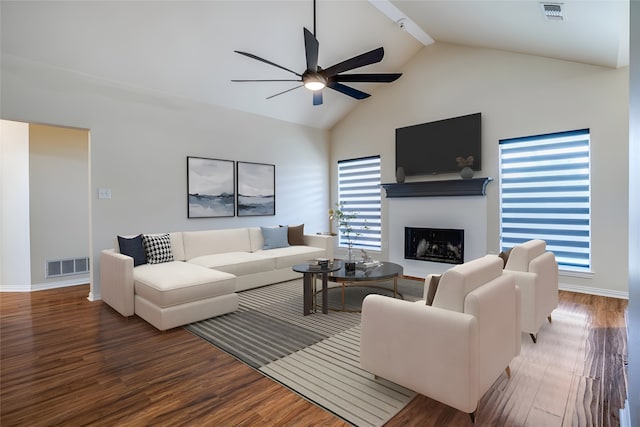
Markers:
<point>256,192</point>
<point>210,187</point>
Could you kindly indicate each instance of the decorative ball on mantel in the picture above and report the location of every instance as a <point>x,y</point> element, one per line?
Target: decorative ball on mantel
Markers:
<point>400,175</point>
<point>465,164</point>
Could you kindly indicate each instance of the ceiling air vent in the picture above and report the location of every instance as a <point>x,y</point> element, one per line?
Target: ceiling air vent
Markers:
<point>552,11</point>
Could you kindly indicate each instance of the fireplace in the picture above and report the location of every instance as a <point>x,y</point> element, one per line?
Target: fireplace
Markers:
<point>434,244</point>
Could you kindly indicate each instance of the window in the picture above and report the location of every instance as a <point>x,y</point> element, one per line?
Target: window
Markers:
<point>545,194</point>
<point>359,191</point>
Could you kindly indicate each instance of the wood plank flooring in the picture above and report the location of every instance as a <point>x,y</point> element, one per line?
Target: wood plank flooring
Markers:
<point>67,361</point>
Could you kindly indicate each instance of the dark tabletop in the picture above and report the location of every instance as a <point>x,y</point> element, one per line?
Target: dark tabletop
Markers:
<point>306,268</point>
<point>386,270</point>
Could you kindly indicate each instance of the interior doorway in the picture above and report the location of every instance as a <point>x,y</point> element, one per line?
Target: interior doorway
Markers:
<point>57,182</point>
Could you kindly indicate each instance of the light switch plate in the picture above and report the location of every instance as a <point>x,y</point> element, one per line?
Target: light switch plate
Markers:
<point>104,193</point>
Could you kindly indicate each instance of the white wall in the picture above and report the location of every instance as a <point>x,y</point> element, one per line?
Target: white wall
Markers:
<point>518,95</point>
<point>15,274</point>
<point>139,144</point>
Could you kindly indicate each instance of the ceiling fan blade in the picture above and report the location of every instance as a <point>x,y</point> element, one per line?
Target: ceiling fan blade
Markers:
<point>367,78</point>
<point>268,80</point>
<point>317,97</point>
<point>367,58</point>
<point>283,92</point>
<point>252,56</point>
<point>354,93</point>
<point>311,46</point>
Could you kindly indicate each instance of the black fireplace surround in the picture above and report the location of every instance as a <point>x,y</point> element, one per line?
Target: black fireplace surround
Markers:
<point>434,244</point>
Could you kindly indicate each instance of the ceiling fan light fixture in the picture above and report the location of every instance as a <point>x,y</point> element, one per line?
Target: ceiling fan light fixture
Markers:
<point>315,83</point>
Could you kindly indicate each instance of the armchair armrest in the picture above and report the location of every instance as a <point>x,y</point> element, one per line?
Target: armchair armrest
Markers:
<point>426,349</point>
<point>116,281</point>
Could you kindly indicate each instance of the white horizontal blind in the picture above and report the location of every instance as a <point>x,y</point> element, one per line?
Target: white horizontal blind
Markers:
<point>545,194</point>
<point>359,190</point>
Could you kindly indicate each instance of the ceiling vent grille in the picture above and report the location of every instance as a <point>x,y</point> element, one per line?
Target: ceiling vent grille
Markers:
<point>553,11</point>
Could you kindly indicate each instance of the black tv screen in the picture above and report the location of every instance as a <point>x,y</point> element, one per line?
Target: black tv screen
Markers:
<point>432,148</point>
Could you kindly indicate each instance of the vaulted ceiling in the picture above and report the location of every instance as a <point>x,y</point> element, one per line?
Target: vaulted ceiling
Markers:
<point>185,49</point>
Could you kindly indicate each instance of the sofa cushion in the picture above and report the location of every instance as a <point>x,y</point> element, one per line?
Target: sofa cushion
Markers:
<point>157,248</point>
<point>200,243</point>
<point>177,282</point>
<point>295,235</point>
<point>133,247</point>
<point>275,237</point>
<point>292,255</point>
<point>176,246</point>
<point>238,263</point>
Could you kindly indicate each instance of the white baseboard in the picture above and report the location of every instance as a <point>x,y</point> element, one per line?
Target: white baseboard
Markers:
<point>15,288</point>
<point>79,280</point>
<point>593,291</point>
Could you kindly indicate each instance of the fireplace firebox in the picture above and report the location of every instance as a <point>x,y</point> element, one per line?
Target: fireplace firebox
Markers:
<point>434,244</point>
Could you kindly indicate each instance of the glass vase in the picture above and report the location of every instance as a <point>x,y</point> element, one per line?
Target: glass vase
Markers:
<point>350,265</point>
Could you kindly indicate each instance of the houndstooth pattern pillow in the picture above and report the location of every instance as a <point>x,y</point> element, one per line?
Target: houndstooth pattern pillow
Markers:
<point>158,248</point>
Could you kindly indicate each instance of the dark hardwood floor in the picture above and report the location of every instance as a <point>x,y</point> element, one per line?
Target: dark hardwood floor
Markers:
<point>67,361</point>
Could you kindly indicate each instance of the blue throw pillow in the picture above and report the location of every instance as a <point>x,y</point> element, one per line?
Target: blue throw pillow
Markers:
<point>275,237</point>
<point>133,247</point>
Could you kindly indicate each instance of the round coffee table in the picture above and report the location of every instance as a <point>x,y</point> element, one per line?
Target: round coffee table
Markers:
<point>367,278</point>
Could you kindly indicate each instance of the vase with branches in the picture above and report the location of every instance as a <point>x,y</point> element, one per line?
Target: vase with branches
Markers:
<point>345,219</point>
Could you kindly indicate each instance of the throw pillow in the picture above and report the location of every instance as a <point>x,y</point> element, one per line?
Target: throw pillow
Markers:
<point>275,237</point>
<point>295,235</point>
<point>505,256</point>
<point>157,248</point>
<point>133,247</point>
<point>433,287</point>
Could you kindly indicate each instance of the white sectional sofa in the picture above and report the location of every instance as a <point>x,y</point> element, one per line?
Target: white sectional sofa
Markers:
<point>202,273</point>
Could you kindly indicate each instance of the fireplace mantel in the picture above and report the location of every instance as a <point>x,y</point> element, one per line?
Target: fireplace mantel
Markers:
<point>452,187</point>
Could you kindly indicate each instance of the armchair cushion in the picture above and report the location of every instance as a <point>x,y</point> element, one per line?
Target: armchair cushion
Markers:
<point>505,256</point>
<point>430,287</point>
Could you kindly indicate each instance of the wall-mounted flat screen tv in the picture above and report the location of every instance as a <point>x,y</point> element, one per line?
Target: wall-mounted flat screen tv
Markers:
<point>432,148</point>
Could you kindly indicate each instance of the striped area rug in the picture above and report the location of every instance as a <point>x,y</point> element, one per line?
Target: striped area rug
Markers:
<point>316,356</point>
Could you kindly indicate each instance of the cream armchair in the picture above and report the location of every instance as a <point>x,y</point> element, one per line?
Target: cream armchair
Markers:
<point>536,274</point>
<point>453,350</point>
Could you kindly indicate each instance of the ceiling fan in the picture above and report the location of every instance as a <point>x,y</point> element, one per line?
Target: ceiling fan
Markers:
<point>315,78</point>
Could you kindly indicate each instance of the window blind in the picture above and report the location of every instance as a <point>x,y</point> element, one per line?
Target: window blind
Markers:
<point>545,194</point>
<point>359,191</point>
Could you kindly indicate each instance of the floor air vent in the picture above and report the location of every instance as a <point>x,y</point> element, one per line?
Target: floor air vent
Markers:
<point>67,267</point>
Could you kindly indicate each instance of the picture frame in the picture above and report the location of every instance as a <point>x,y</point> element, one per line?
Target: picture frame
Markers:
<point>256,190</point>
<point>210,187</point>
